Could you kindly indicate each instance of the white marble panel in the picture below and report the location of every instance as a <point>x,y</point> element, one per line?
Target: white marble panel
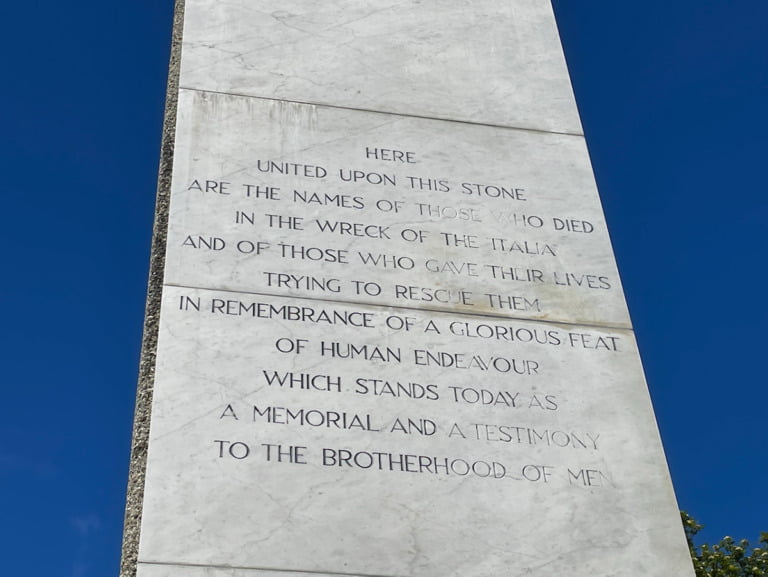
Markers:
<point>487,62</point>
<point>280,198</point>
<point>172,570</point>
<point>442,445</point>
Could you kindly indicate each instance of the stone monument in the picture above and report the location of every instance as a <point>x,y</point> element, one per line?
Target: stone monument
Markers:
<point>385,333</point>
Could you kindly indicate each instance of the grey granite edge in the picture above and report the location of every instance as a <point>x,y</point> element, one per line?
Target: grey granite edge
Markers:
<point>142,414</point>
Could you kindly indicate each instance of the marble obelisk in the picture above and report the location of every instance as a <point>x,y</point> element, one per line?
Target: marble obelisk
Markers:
<point>385,332</point>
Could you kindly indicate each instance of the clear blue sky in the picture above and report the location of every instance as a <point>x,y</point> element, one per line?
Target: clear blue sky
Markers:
<point>674,101</point>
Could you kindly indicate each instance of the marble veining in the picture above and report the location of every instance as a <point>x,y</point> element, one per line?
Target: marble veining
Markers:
<point>489,62</point>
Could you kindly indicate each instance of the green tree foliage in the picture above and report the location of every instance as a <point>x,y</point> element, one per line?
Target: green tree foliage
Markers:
<point>728,558</point>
